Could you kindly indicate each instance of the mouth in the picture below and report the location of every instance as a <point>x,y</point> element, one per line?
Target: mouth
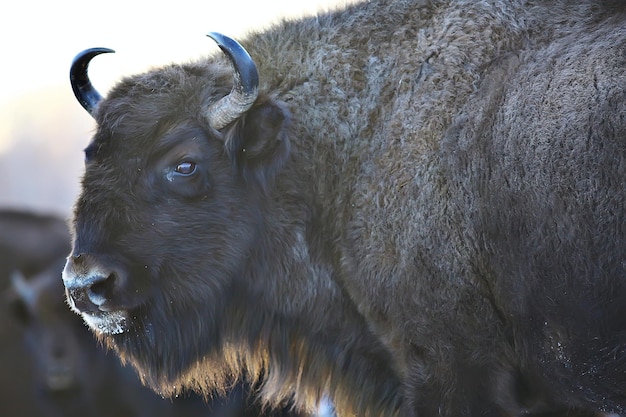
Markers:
<point>109,322</point>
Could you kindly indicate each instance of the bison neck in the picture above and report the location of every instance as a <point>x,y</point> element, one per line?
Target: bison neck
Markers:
<point>306,334</point>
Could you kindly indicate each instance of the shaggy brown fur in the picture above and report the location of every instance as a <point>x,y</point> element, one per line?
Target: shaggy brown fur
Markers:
<point>423,213</point>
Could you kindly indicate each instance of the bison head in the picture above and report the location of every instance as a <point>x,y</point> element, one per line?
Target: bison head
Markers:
<point>177,168</point>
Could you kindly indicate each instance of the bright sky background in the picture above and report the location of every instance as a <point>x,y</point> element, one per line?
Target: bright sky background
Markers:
<point>39,38</point>
<point>42,128</point>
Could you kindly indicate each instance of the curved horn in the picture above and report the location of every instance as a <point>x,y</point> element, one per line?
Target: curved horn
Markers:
<point>85,93</point>
<point>245,89</point>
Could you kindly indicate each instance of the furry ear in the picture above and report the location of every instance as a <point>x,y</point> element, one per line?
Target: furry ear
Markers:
<point>258,143</point>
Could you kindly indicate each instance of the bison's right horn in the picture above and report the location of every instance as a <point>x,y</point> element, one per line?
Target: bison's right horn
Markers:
<point>245,89</point>
<point>85,93</point>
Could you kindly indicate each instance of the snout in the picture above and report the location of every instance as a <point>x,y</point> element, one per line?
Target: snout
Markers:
<point>95,289</point>
<point>91,284</point>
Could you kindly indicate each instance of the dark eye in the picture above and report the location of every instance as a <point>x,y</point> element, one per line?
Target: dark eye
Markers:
<point>185,168</point>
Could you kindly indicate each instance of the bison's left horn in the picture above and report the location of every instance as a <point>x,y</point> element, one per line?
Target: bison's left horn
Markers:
<point>85,93</point>
<point>245,89</point>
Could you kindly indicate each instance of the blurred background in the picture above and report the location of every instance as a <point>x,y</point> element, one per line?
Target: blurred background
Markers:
<point>43,130</point>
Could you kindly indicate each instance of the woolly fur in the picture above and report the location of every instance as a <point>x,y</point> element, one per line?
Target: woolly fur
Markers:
<point>434,224</point>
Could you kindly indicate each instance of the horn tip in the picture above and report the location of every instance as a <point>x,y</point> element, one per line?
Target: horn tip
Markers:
<point>86,95</point>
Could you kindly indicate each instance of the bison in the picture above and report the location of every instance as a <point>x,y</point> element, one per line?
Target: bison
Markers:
<point>415,208</point>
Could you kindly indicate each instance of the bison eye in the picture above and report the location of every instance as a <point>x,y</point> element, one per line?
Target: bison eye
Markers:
<point>185,168</point>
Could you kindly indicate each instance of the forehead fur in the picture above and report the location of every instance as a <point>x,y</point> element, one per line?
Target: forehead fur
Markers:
<point>142,107</point>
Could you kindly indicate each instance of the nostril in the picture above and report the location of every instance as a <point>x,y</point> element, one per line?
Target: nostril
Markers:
<point>93,283</point>
<point>102,290</point>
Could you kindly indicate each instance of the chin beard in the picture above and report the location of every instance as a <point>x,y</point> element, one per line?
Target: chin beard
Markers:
<point>109,322</point>
<point>171,349</point>
<point>173,352</point>
<point>209,346</point>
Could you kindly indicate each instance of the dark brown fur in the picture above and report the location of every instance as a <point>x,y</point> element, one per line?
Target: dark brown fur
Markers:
<point>423,213</point>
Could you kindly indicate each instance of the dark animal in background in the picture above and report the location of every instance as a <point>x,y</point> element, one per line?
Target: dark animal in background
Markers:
<point>416,208</point>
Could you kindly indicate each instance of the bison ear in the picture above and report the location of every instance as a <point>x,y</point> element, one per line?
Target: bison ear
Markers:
<point>258,142</point>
